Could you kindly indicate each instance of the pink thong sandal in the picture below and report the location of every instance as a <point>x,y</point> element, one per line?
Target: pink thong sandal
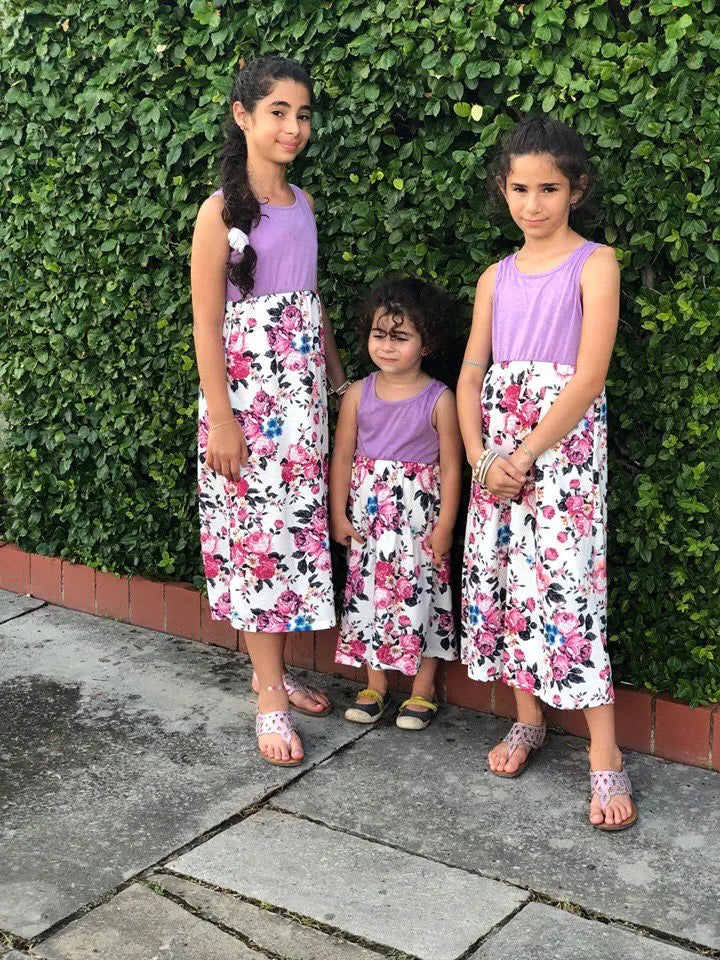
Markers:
<point>293,685</point>
<point>522,735</point>
<point>607,784</point>
<point>279,722</point>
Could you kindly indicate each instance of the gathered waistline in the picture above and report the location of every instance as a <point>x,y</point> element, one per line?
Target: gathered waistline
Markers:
<point>273,296</point>
<point>550,363</point>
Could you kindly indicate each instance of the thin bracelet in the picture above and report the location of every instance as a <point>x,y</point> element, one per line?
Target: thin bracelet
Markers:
<point>486,467</point>
<point>223,424</point>
<point>339,391</point>
<point>527,449</point>
<point>474,363</point>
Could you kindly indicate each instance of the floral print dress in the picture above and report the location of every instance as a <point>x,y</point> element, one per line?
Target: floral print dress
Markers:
<point>264,537</point>
<point>397,607</point>
<point>534,574</point>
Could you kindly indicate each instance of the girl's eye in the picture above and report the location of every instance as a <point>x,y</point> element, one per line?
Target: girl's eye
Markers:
<point>304,116</point>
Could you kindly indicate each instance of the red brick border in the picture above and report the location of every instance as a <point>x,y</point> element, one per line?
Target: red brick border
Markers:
<point>646,722</point>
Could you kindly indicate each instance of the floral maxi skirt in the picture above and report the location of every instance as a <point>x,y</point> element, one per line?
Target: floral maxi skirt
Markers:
<point>534,574</point>
<point>264,538</point>
<point>397,607</point>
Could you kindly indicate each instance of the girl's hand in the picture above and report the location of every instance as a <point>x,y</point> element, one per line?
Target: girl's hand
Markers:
<point>504,479</point>
<point>343,531</point>
<point>227,450</point>
<point>440,542</point>
<point>521,460</point>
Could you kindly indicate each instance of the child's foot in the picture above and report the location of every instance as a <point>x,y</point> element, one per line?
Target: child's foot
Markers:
<point>505,760</point>
<point>369,706</point>
<point>276,747</point>
<point>304,698</point>
<point>619,807</point>
<point>418,711</point>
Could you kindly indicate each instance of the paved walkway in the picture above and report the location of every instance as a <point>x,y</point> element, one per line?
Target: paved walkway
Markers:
<point>136,823</point>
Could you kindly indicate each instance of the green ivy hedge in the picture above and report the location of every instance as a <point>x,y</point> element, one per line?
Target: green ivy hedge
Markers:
<point>110,121</point>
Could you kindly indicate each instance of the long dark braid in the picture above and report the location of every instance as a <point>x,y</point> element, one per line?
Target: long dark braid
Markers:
<point>253,82</point>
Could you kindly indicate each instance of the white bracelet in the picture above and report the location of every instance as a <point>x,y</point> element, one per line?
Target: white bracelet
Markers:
<point>486,467</point>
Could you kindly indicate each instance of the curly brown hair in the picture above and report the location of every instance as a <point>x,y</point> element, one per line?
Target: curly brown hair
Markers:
<point>430,309</point>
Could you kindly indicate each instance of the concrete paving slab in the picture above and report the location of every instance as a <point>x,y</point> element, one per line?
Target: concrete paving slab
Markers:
<point>120,745</point>
<point>138,924</point>
<point>270,931</point>
<point>385,896</point>
<point>15,604</point>
<point>539,932</point>
<point>430,793</point>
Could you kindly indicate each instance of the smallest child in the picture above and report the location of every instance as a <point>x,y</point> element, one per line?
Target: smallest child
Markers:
<point>394,494</point>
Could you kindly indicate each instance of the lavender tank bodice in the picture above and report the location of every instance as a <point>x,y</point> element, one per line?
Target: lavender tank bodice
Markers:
<point>285,241</point>
<point>539,316</point>
<point>398,429</point>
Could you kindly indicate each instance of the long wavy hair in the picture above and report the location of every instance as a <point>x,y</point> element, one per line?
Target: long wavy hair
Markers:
<point>253,82</point>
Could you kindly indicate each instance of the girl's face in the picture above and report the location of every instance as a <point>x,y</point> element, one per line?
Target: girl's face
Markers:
<point>394,348</point>
<point>538,195</point>
<point>278,128</point>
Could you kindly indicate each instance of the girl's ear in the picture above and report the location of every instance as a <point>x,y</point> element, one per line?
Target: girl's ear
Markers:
<point>240,115</point>
<point>500,181</point>
<point>578,193</point>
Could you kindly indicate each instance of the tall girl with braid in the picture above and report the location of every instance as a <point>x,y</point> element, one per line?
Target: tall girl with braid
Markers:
<point>263,345</point>
<point>535,430</point>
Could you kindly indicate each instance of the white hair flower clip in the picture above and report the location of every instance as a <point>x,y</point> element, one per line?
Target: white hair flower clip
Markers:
<point>238,239</point>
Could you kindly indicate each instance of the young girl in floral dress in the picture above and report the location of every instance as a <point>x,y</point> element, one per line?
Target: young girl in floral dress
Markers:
<point>262,341</point>
<point>534,426</point>
<point>396,459</point>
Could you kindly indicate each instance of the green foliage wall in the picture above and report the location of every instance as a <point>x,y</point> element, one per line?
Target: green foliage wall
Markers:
<point>109,130</point>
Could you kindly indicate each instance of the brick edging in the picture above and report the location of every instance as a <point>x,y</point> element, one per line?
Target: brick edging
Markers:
<point>649,723</point>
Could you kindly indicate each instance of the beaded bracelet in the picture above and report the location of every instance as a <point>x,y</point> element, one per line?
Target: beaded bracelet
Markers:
<point>481,468</point>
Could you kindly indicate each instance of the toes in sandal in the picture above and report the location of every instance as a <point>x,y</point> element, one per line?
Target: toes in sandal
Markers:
<point>368,712</point>
<point>409,719</point>
<point>522,735</point>
<point>279,722</point>
<point>293,685</point>
<point>607,784</point>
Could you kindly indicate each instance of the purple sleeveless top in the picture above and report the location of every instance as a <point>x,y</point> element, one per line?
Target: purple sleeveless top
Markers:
<point>538,316</point>
<point>285,241</point>
<point>398,429</point>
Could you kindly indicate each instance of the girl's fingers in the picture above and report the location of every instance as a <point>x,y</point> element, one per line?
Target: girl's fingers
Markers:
<point>357,536</point>
<point>511,471</point>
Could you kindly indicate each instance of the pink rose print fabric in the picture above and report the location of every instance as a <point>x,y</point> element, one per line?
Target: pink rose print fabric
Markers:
<point>397,607</point>
<point>264,538</point>
<point>534,575</point>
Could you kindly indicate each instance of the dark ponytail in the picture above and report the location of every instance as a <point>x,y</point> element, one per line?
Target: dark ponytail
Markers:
<point>242,209</point>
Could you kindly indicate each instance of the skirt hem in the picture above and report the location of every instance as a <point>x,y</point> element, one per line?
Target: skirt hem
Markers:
<point>538,693</point>
<point>358,664</point>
